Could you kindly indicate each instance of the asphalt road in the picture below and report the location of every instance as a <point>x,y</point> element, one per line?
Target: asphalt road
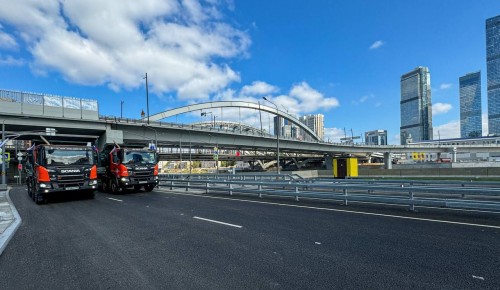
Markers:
<point>169,240</point>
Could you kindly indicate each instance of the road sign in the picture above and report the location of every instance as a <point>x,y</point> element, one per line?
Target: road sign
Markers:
<point>19,158</point>
<point>50,131</point>
<point>19,166</point>
<point>20,154</point>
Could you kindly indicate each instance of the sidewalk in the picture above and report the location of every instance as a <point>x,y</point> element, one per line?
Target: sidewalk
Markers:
<point>9,219</point>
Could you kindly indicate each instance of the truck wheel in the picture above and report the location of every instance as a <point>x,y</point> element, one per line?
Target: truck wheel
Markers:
<point>114,187</point>
<point>105,186</point>
<point>149,187</point>
<point>30,190</point>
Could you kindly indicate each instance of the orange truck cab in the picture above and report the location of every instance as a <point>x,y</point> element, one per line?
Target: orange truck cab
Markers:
<point>60,168</point>
<point>128,168</point>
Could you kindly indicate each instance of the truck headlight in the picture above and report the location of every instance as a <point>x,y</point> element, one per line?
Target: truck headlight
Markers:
<point>124,179</point>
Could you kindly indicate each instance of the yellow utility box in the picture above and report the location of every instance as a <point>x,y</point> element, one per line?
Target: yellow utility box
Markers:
<point>345,167</point>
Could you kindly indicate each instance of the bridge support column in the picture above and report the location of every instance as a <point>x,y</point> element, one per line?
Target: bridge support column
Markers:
<point>329,162</point>
<point>454,154</point>
<point>387,160</point>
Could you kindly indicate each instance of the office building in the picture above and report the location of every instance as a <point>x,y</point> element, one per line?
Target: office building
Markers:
<point>470,105</point>
<point>376,137</point>
<point>493,73</point>
<point>315,123</point>
<point>416,106</point>
<point>278,124</point>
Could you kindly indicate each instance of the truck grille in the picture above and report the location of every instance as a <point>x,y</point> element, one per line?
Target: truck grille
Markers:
<point>141,175</point>
<point>70,180</point>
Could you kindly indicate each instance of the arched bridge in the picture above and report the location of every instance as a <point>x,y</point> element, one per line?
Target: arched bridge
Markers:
<point>232,104</point>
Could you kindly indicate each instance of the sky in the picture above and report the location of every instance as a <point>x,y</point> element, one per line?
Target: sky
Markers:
<point>342,59</point>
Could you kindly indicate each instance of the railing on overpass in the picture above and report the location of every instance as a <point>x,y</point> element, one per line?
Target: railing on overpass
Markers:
<point>449,194</point>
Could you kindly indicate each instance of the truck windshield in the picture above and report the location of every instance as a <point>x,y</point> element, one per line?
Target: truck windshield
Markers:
<point>60,156</point>
<point>139,157</point>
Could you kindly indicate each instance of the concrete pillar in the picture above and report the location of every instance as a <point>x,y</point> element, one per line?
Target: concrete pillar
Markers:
<point>454,154</point>
<point>388,160</point>
<point>329,162</point>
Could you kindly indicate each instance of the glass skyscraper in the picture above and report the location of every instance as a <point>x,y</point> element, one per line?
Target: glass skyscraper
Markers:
<point>416,106</point>
<point>470,105</point>
<point>493,72</point>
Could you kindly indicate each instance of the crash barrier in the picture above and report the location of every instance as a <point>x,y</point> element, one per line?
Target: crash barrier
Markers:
<point>229,176</point>
<point>412,193</point>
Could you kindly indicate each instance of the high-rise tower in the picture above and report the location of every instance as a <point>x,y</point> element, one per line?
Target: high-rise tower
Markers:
<point>493,73</point>
<point>416,106</point>
<point>470,105</point>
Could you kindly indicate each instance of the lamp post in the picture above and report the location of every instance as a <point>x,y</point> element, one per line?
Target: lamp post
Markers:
<point>4,183</point>
<point>156,135</point>
<point>205,114</point>
<point>277,136</point>
<point>121,109</point>
<point>147,96</point>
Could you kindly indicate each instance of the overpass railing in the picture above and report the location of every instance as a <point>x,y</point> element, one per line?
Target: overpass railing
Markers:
<point>431,194</point>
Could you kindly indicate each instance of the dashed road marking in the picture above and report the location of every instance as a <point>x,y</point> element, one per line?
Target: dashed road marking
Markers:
<point>115,199</point>
<point>217,222</point>
<point>339,210</point>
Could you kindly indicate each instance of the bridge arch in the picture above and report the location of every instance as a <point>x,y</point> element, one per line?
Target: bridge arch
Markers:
<point>232,104</point>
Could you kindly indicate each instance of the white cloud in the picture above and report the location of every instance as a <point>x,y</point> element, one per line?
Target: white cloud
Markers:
<point>258,88</point>
<point>441,108</point>
<point>447,131</point>
<point>334,134</point>
<point>7,41</point>
<point>363,99</point>
<point>445,86</point>
<point>310,99</point>
<point>11,61</point>
<point>181,44</point>
<point>377,44</point>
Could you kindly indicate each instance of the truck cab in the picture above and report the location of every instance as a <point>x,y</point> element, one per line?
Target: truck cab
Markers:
<point>129,168</point>
<point>60,168</point>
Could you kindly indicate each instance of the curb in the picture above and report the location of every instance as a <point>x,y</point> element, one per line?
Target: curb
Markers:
<point>7,235</point>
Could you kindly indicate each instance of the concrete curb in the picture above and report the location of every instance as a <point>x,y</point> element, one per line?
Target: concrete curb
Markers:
<point>7,235</point>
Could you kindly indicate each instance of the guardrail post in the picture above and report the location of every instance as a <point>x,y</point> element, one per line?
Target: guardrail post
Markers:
<point>171,184</point>
<point>260,191</point>
<point>296,193</point>
<point>345,196</point>
<point>206,189</point>
<point>412,204</point>
<point>188,185</point>
<point>230,189</point>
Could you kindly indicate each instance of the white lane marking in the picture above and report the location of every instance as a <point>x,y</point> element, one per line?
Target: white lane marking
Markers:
<point>114,199</point>
<point>217,222</point>
<point>341,210</point>
<point>478,277</point>
<point>317,243</point>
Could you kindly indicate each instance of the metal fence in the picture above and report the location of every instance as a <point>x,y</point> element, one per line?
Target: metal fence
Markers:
<point>412,193</point>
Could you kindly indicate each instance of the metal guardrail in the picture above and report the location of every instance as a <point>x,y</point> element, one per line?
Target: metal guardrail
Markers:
<point>449,195</point>
<point>229,176</point>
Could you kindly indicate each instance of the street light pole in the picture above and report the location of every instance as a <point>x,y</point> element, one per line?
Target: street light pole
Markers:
<point>277,136</point>
<point>156,135</point>
<point>4,183</point>
<point>147,96</point>
<point>121,109</point>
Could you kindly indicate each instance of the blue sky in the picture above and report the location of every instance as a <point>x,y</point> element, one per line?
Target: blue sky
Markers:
<point>342,59</point>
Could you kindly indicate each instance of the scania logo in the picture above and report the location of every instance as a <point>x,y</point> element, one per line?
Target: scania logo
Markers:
<point>70,170</point>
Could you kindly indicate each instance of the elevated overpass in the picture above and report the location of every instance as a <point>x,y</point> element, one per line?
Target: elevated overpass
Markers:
<point>77,120</point>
